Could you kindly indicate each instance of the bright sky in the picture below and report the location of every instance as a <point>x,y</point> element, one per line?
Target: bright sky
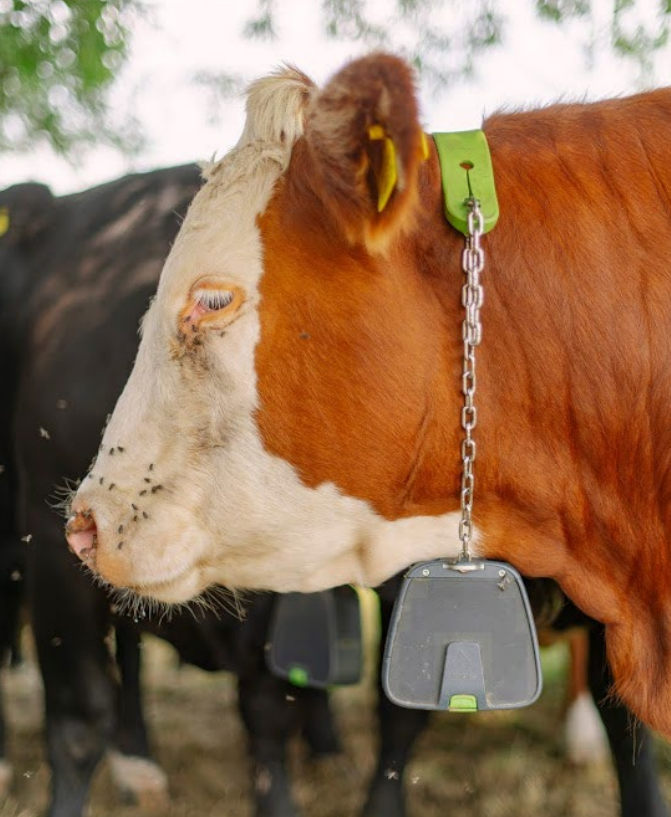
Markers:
<point>537,63</point>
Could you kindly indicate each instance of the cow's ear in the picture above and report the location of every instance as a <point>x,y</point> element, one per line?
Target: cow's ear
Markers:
<point>24,209</point>
<point>366,145</point>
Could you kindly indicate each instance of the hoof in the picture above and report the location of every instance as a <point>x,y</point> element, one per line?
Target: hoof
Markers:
<point>272,792</point>
<point>5,779</point>
<point>140,781</point>
<point>584,733</point>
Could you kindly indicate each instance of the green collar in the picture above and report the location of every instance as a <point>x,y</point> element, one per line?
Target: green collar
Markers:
<point>466,168</point>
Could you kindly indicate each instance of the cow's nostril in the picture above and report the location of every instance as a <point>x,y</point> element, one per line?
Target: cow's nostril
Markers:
<point>82,535</point>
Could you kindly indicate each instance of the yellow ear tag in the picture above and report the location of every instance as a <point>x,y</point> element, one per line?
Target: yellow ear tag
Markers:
<point>425,147</point>
<point>388,173</point>
<point>4,220</point>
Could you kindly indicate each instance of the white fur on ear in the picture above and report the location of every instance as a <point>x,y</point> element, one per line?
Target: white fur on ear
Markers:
<point>276,107</point>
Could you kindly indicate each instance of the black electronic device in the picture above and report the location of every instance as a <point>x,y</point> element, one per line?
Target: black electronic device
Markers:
<point>462,638</point>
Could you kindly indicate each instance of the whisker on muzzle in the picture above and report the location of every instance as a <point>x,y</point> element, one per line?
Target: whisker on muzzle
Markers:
<point>61,496</point>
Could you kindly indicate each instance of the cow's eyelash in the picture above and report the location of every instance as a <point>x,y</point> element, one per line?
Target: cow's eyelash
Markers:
<point>213,299</point>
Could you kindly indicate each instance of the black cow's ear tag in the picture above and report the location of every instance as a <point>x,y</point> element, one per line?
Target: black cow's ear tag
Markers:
<point>315,638</point>
<point>462,638</point>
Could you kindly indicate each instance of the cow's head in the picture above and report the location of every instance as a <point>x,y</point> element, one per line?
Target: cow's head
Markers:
<point>279,427</point>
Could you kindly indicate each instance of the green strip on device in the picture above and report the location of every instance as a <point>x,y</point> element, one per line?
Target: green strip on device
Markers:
<point>298,677</point>
<point>466,168</point>
<point>463,703</point>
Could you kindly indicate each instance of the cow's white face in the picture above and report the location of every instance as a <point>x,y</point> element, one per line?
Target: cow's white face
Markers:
<point>187,491</point>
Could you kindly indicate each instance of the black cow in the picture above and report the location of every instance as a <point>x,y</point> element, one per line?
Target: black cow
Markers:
<point>28,204</point>
<point>76,275</point>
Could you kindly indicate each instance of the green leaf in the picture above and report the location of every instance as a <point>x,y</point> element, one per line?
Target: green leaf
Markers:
<point>59,60</point>
<point>559,10</point>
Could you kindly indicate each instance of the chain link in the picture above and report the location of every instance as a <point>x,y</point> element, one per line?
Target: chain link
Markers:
<point>472,294</point>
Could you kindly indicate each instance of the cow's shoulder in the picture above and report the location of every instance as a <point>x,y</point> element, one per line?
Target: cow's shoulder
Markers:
<point>164,189</point>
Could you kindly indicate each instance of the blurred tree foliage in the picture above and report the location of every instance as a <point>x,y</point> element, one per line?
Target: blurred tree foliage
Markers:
<point>58,61</point>
<point>59,58</point>
<point>636,29</point>
<point>443,38</point>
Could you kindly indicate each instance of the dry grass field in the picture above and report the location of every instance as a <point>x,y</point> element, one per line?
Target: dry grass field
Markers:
<point>489,765</point>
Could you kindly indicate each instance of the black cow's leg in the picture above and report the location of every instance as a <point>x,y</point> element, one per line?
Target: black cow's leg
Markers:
<point>630,742</point>
<point>270,717</point>
<point>5,766</point>
<point>319,729</point>
<point>12,569</point>
<point>399,728</point>
<point>136,774</point>
<point>11,596</point>
<point>8,625</point>
<point>70,620</point>
<point>131,733</point>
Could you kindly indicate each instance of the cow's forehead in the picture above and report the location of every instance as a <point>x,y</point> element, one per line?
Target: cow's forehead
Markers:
<point>219,235</point>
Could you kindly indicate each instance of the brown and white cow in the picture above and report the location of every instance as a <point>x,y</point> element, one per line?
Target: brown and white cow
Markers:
<point>292,420</point>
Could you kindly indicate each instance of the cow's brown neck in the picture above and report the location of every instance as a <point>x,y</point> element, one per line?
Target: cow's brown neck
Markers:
<point>570,404</point>
<point>369,360</point>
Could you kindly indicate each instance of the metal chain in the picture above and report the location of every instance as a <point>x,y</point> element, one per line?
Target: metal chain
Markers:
<point>472,262</point>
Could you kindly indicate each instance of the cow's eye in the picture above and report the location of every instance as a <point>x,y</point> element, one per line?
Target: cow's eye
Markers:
<point>213,300</point>
<point>212,304</point>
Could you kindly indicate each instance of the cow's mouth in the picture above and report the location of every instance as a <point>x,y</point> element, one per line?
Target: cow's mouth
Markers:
<point>176,589</point>
<point>179,587</point>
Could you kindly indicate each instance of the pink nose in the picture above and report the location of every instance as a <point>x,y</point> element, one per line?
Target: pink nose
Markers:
<point>82,535</point>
